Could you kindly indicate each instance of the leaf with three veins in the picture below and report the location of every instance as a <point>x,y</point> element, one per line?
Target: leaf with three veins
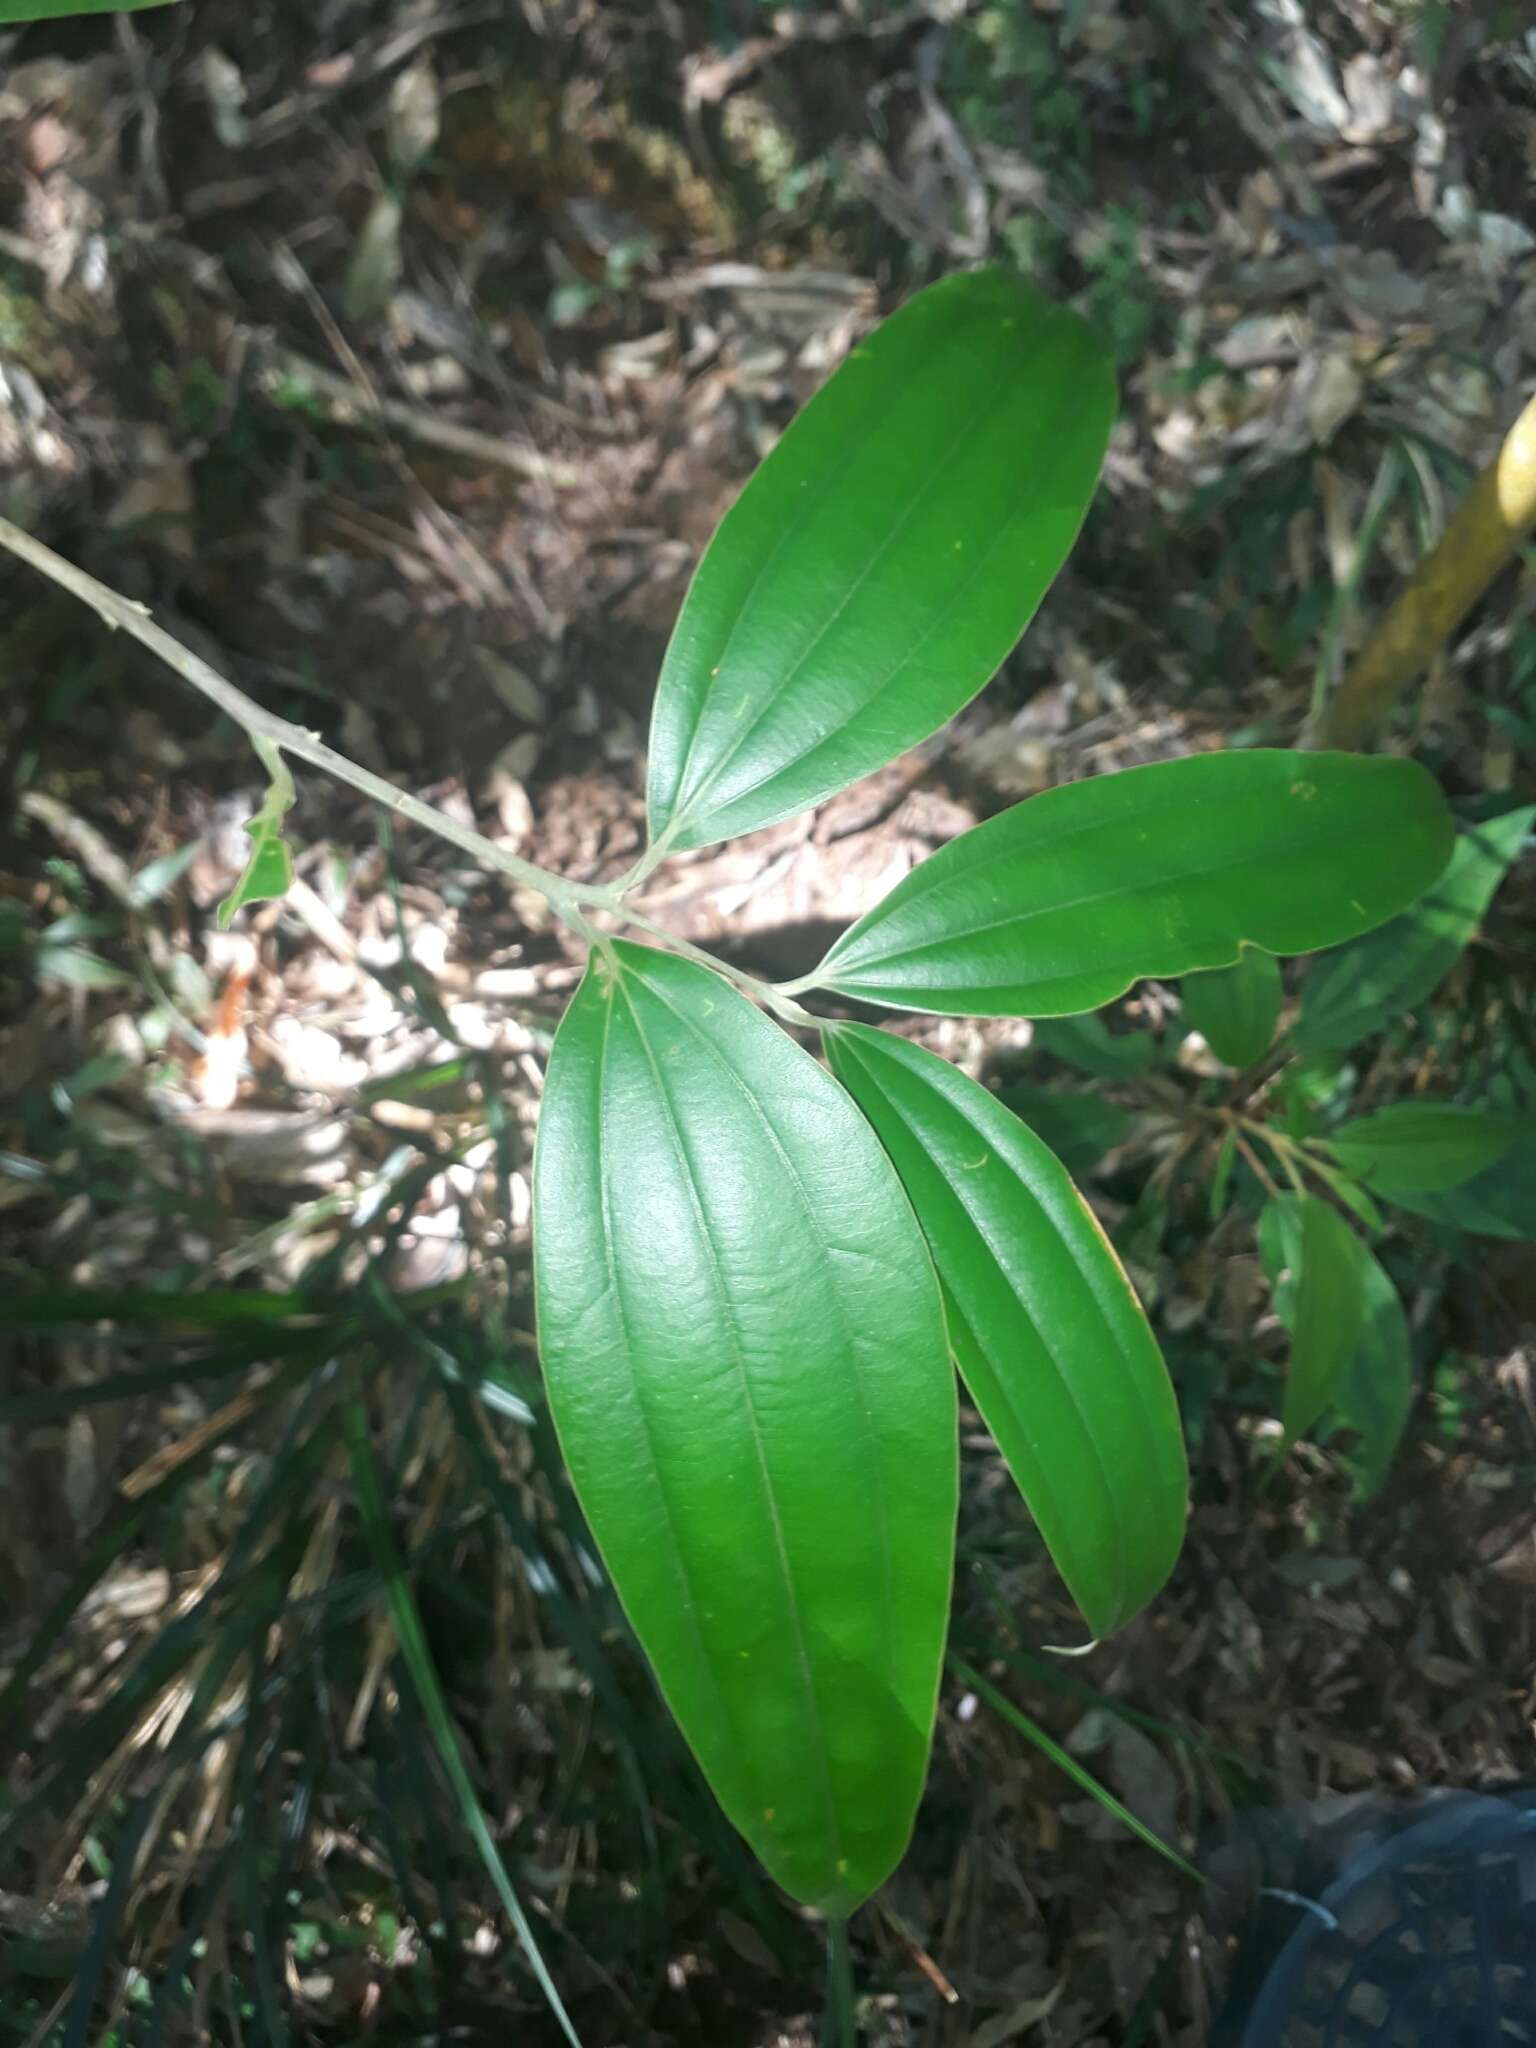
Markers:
<point>884,558</point>
<point>1043,1322</point>
<point>1363,988</point>
<point>745,1357</point>
<point>1323,1303</point>
<point>1059,904</point>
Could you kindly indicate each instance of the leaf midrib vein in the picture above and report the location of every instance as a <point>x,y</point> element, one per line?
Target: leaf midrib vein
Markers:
<point>690,800</point>
<point>728,1313</point>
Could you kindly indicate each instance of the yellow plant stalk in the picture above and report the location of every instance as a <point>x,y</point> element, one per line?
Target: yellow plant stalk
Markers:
<point>1485,533</point>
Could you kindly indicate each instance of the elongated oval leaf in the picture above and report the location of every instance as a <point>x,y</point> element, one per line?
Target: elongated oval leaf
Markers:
<point>1062,902</point>
<point>1364,987</point>
<point>1235,1008</point>
<point>885,557</point>
<point>1376,1392</point>
<point>745,1358</point>
<point>1500,1201</point>
<point>1423,1147</point>
<point>1089,1044</point>
<point>1043,1322</point>
<point>1079,1128</point>
<point>268,873</point>
<point>1324,1307</point>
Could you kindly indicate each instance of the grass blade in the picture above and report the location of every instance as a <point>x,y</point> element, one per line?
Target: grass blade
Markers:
<point>418,1660</point>
<point>1034,1733</point>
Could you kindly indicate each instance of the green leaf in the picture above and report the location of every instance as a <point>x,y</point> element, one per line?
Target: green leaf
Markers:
<point>1366,986</point>
<point>411,1637</point>
<point>883,560</point>
<point>1235,1009</point>
<point>1079,1129</point>
<point>1088,1043</point>
<point>1323,1307</point>
<point>744,1352</point>
<point>1376,1392</point>
<point>1043,1322</point>
<point>1062,902</point>
<point>1423,1147</point>
<point>269,871</point>
<point>1498,1202</point>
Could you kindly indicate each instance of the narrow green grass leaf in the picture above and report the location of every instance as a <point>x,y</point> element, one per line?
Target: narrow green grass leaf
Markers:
<point>744,1354</point>
<point>105,1923</point>
<point>268,873</point>
<point>418,1662</point>
<point>15,12</point>
<point>43,1308</point>
<point>1065,1761</point>
<point>45,1404</point>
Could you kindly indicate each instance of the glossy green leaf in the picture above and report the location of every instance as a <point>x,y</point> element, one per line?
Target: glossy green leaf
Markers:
<point>1043,1322</point>
<point>883,560</point>
<point>744,1350</point>
<point>412,1640</point>
<point>1423,1147</point>
<point>1376,1393</point>
<point>1368,985</point>
<point>1062,902</point>
<point>268,873</point>
<point>1500,1201</point>
<point>1324,1305</point>
<point>1235,1009</point>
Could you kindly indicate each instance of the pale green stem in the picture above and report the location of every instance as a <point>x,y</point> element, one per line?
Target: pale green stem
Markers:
<point>264,729</point>
<point>840,2025</point>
